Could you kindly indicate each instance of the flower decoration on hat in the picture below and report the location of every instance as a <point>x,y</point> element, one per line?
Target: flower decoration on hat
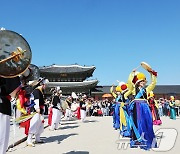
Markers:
<point>138,77</point>
<point>123,86</point>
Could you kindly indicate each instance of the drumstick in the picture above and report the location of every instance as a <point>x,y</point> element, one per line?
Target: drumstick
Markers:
<point>134,70</point>
<point>137,67</point>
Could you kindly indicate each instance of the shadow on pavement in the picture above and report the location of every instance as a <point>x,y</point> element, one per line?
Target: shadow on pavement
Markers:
<point>88,121</point>
<point>58,138</point>
<point>68,123</point>
<point>77,152</point>
<point>68,127</point>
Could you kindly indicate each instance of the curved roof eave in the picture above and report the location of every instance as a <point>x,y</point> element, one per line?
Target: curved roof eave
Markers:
<point>73,84</point>
<point>66,69</point>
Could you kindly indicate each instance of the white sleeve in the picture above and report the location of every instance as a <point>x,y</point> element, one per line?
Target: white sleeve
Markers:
<point>36,106</point>
<point>32,97</point>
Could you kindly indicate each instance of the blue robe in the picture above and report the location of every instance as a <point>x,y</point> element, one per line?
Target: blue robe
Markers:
<point>142,129</point>
<point>172,111</point>
<point>116,118</point>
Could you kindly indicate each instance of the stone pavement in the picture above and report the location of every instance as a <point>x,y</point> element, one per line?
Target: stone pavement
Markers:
<point>96,136</point>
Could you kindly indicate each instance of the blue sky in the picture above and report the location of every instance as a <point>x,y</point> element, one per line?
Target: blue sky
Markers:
<point>114,35</point>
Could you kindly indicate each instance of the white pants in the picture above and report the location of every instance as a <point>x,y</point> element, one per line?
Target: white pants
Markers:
<point>4,132</point>
<point>56,117</point>
<point>68,114</point>
<point>103,111</point>
<point>83,114</point>
<point>36,128</point>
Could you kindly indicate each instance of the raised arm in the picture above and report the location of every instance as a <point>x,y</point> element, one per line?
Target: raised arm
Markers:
<point>130,85</point>
<point>152,85</point>
<point>112,91</point>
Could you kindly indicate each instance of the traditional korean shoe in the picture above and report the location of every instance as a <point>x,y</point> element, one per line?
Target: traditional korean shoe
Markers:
<point>30,144</point>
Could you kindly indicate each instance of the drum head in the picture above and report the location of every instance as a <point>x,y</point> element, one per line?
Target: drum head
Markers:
<point>146,66</point>
<point>9,42</point>
<point>64,105</point>
<point>34,74</point>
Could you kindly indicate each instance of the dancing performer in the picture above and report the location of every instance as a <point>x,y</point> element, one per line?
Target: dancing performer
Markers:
<point>56,110</point>
<point>154,109</point>
<point>116,106</point>
<point>68,114</point>
<point>83,108</point>
<point>142,127</point>
<point>8,89</point>
<point>125,123</point>
<point>37,122</point>
<point>75,107</point>
<point>172,108</point>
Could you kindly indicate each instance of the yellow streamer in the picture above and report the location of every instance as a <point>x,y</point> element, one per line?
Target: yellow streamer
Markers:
<point>122,116</point>
<point>18,104</point>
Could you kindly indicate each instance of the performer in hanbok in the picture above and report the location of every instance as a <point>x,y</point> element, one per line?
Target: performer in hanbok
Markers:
<point>25,105</point>
<point>37,122</point>
<point>142,126</point>
<point>172,108</point>
<point>75,107</point>
<point>78,111</point>
<point>154,109</point>
<point>15,57</point>
<point>83,108</point>
<point>68,113</point>
<point>116,106</point>
<point>56,110</point>
<point>125,123</point>
<point>8,89</point>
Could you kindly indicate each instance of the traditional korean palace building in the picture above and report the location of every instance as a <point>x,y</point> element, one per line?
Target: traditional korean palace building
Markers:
<point>74,78</point>
<point>71,78</point>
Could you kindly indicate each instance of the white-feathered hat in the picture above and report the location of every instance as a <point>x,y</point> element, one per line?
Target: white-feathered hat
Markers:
<point>74,95</point>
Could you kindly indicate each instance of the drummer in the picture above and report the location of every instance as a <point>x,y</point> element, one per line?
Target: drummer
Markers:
<point>12,64</point>
<point>37,122</point>
<point>8,89</point>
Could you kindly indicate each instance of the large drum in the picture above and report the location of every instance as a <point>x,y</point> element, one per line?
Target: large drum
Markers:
<point>64,105</point>
<point>34,74</point>
<point>15,54</point>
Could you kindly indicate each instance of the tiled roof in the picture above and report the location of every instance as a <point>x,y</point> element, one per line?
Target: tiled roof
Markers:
<point>167,89</point>
<point>67,69</point>
<point>159,89</point>
<point>90,83</point>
